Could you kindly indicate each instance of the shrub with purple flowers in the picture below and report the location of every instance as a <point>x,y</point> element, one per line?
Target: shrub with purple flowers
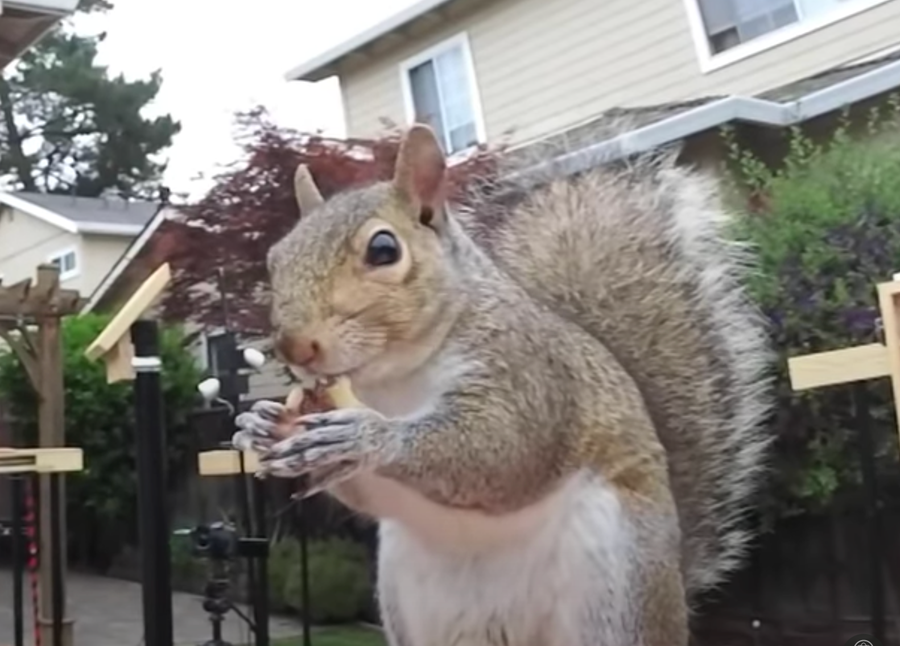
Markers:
<point>827,232</point>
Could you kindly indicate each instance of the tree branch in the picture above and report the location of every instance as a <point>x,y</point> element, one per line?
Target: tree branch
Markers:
<point>18,159</point>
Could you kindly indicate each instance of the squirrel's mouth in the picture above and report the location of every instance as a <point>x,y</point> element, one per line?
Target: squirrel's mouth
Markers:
<point>309,380</point>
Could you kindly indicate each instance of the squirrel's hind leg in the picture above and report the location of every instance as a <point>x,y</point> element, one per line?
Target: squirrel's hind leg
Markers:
<point>665,614</point>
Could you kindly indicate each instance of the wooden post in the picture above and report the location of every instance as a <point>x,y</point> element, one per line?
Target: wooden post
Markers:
<point>43,304</point>
<point>51,433</point>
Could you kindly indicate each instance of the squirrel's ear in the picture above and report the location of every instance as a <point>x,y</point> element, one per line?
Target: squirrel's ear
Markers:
<point>305,190</point>
<point>420,172</point>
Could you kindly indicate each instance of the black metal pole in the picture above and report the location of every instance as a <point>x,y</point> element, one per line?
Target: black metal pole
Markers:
<point>863,423</point>
<point>56,589</point>
<point>261,598</point>
<point>151,470</point>
<point>246,525</point>
<point>228,365</point>
<point>249,495</point>
<point>244,493</point>
<point>304,563</point>
<point>18,557</point>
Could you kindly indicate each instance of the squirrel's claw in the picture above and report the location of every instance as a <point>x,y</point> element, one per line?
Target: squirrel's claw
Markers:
<point>259,428</point>
<point>251,441</point>
<point>351,437</point>
<point>266,409</point>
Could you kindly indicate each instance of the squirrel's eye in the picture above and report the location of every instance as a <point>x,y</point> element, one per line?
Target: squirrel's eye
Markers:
<point>383,250</point>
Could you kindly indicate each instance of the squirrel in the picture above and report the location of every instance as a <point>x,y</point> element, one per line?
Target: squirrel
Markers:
<point>559,420</point>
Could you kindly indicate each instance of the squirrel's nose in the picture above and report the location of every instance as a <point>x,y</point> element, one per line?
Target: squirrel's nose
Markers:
<point>297,349</point>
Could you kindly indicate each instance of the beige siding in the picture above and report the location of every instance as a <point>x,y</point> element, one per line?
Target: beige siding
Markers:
<point>26,242</point>
<point>544,66</point>
<point>270,382</point>
<point>99,255</point>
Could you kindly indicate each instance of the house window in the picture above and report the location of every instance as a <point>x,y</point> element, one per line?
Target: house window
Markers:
<point>216,361</point>
<point>67,261</point>
<point>440,91</point>
<point>729,23</point>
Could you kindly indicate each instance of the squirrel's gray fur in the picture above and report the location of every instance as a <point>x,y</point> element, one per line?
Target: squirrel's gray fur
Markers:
<point>640,254</point>
<point>564,384</point>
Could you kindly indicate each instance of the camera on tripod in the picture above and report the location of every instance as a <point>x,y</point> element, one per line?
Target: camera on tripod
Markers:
<point>220,545</point>
<point>220,541</point>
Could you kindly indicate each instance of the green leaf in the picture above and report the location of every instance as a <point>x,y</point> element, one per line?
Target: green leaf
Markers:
<point>100,419</point>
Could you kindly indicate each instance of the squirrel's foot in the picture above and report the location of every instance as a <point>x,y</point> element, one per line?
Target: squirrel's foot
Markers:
<point>355,438</point>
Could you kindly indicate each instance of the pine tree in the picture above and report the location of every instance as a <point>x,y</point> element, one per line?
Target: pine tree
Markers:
<point>67,126</point>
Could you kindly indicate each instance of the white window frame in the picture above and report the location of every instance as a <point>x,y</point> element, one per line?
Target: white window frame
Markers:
<point>459,40</point>
<point>204,346</point>
<point>59,255</point>
<point>709,61</point>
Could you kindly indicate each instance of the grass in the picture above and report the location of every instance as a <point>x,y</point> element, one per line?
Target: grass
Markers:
<point>337,636</point>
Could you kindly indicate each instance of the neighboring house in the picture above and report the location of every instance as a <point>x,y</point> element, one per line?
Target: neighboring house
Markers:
<point>580,73</point>
<point>23,22</point>
<point>142,257</point>
<point>596,80</point>
<point>84,236</point>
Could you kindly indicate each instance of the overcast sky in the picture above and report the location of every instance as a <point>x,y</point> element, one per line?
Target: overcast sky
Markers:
<point>218,57</point>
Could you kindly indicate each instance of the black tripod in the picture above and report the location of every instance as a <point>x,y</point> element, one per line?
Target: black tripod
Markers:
<point>220,545</point>
<point>216,601</point>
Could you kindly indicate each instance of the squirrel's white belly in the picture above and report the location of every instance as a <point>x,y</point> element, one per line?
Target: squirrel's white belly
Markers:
<point>556,574</point>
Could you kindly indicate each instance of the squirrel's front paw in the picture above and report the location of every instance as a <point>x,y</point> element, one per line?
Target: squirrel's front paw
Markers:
<point>354,438</point>
<point>259,428</point>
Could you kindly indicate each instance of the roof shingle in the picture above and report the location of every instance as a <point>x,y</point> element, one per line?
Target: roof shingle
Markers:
<point>97,210</point>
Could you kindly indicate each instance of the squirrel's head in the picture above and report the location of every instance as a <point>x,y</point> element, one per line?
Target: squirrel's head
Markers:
<point>362,275</point>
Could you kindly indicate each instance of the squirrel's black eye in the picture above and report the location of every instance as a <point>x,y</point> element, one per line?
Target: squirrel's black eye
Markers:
<point>383,250</point>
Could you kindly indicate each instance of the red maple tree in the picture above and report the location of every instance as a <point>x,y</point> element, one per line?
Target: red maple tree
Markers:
<point>222,241</point>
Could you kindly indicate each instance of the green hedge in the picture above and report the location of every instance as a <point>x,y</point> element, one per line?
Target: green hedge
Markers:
<point>99,418</point>
<point>826,227</point>
<point>339,582</point>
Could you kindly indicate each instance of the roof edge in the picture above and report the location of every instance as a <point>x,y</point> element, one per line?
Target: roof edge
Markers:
<point>127,256</point>
<point>322,66</point>
<point>66,224</point>
<point>39,212</point>
<point>52,7</point>
<point>714,114</point>
<point>110,228</point>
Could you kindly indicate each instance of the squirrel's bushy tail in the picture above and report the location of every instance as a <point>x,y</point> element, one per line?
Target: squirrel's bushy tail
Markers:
<point>639,256</point>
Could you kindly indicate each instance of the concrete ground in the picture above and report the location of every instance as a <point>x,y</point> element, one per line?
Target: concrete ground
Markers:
<point>107,612</point>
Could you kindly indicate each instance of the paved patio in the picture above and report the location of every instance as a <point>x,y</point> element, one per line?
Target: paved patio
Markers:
<point>107,612</point>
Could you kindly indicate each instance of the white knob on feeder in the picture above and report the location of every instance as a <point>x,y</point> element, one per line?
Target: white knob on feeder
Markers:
<point>897,276</point>
<point>254,358</point>
<point>209,388</point>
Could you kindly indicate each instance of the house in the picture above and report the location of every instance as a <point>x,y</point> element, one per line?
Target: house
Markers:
<point>145,252</point>
<point>84,236</point>
<point>599,80</point>
<point>23,22</point>
<point>591,82</point>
